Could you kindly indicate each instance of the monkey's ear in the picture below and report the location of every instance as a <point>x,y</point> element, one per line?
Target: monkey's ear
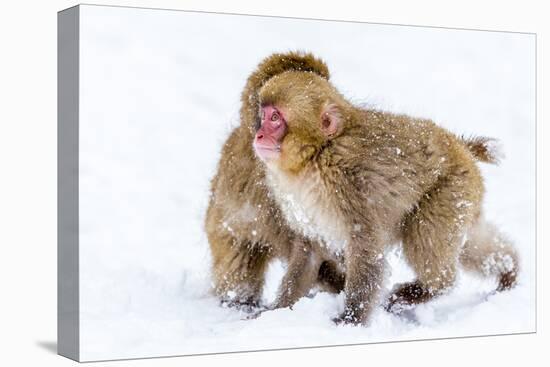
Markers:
<point>331,119</point>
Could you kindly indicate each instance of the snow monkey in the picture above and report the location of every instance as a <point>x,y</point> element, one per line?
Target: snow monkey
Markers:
<point>357,180</point>
<point>245,226</point>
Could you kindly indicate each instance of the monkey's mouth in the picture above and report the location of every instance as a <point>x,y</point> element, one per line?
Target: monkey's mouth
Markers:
<point>267,152</point>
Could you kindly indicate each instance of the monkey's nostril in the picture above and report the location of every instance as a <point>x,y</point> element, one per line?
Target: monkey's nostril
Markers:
<point>259,136</point>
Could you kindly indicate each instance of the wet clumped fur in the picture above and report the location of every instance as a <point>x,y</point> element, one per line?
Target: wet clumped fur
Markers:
<point>356,180</point>
<point>244,224</point>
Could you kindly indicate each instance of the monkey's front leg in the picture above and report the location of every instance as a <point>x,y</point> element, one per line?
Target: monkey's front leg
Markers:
<point>364,277</point>
<point>302,272</point>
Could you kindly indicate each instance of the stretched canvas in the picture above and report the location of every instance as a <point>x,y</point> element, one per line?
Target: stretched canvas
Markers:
<point>149,97</point>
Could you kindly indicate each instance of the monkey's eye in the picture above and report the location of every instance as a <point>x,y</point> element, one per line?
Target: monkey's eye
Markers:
<point>275,116</point>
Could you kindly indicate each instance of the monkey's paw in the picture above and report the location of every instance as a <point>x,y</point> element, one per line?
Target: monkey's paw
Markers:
<point>256,313</point>
<point>406,296</point>
<point>346,318</point>
<point>397,305</point>
<point>243,306</point>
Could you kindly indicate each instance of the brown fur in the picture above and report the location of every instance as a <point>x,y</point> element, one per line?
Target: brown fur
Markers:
<point>378,179</point>
<point>480,147</point>
<point>244,225</point>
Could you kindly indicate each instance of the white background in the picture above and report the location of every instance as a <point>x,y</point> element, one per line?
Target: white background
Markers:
<point>159,92</point>
<point>28,187</point>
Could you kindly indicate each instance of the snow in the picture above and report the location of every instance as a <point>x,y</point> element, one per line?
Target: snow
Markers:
<point>159,93</point>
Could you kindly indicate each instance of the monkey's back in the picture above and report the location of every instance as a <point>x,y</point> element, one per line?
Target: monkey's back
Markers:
<point>390,162</point>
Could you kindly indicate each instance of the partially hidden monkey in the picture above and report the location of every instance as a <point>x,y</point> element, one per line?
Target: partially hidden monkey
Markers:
<point>357,180</point>
<point>245,226</point>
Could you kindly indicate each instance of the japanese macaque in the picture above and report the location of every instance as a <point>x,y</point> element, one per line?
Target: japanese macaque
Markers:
<point>357,180</point>
<point>245,226</point>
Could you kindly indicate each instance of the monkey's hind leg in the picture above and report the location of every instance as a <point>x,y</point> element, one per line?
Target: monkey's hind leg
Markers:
<point>432,237</point>
<point>488,253</point>
<point>239,271</point>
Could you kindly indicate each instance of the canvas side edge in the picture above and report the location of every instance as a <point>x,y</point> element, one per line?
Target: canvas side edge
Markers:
<point>68,328</point>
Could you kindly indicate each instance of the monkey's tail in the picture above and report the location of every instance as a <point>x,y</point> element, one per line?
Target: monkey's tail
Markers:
<point>489,253</point>
<point>484,149</point>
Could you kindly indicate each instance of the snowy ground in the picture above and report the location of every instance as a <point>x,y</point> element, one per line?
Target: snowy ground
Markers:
<point>159,94</point>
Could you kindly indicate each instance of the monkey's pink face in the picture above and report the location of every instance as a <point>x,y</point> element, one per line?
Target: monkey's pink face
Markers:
<point>268,138</point>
